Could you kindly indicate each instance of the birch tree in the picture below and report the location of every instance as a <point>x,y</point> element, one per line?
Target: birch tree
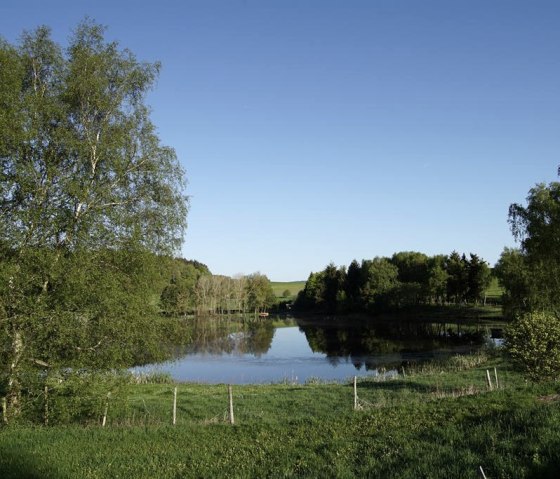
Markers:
<point>87,195</point>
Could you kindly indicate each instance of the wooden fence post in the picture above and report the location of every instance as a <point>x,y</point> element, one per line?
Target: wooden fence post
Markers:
<point>482,472</point>
<point>496,377</point>
<point>355,393</point>
<point>175,406</point>
<point>230,391</point>
<point>46,405</point>
<point>4,410</point>
<point>489,380</point>
<point>106,410</point>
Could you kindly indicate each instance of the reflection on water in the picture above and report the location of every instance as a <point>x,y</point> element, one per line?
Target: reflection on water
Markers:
<point>215,336</point>
<point>257,351</point>
<point>391,343</point>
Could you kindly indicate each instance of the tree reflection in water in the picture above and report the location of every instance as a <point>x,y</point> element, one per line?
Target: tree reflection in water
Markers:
<point>223,336</point>
<point>379,344</point>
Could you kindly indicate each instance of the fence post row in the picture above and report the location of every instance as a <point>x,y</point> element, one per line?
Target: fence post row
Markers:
<point>46,410</point>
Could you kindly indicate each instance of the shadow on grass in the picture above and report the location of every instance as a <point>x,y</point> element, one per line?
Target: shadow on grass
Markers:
<point>20,465</point>
<point>509,440</point>
<point>396,385</point>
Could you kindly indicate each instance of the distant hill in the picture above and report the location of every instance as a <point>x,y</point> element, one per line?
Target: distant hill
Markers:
<point>294,287</point>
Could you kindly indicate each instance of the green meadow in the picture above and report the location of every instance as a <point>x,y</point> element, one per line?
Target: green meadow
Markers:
<point>294,287</point>
<point>439,420</point>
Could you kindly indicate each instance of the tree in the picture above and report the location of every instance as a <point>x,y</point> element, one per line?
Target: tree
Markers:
<point>437,278</point>
<point>531,277</point>
<point>413,274</point>
<point>179,295</point>
<point>514,276</point>
<point>311,296</point>
<point>381,279</point>
<point>412,266</point>
<point>353,285</point>
<point>457,282</point>
<point>478,278</point>
<point>333,280</point>
<point>88,195</point>
<point>537,228</point>
<point>260,294</point>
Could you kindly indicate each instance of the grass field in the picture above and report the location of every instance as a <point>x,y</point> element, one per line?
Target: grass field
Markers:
<point>494,291</point>
<point>294,287</point>
<point>437,422</point>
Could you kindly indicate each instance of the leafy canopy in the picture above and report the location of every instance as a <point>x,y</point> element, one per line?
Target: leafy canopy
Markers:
<point>88,196</point>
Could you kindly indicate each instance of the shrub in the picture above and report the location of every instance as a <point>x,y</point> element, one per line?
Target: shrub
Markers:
<point>533,342</point>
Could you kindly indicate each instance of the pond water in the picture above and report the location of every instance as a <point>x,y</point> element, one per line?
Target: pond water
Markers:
<point>262,353</point>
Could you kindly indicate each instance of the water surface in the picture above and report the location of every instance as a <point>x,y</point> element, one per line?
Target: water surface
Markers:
<point>261,353</point>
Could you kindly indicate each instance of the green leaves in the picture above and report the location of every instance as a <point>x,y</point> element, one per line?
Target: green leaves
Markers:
<point>533,341</point>
<point>82,163</point>
<point>88,196</point>
<point>535,280</point>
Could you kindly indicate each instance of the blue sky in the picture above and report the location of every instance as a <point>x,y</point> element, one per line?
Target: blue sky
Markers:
<point>319,131</point>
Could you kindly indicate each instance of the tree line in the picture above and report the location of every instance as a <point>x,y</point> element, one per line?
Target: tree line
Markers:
<point>192,289</point>
<point>406,279</point>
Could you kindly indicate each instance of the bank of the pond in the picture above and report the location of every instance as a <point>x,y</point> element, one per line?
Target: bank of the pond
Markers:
<point>441,420</point>
<point>451,313</point>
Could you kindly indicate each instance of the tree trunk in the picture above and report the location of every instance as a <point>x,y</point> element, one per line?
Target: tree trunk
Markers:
<point>13,396</point>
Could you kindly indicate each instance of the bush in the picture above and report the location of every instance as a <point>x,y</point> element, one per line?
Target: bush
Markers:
<point>533,342</point>
<point>73,396</point>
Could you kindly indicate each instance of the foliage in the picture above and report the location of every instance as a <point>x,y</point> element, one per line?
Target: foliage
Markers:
<point>533,341</point>
<point>406,280</point>
<point>536,271</point>
<point>380,278</point>
<point>259,292</point>
<point>514,276</point>
<point>531,280</point>
<point>88,196</point>
<point>180,294</point>
<point>192,289</point>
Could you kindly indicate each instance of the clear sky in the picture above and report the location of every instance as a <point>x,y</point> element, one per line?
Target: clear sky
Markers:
<point>314,131</point>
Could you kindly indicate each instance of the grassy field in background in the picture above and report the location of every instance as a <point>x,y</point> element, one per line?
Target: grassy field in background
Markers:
<point>294,287</point>
<point>493,292</point>
<point>440,421</point>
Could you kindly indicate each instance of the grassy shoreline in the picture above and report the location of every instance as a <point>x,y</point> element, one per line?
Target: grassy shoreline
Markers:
<point>438,421</point>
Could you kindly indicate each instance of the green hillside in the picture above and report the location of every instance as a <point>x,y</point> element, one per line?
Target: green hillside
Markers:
<point>294,287</point>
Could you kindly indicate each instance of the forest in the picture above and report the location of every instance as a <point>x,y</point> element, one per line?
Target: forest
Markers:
<point>407,279</point>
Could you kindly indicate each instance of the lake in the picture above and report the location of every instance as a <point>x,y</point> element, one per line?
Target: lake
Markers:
<point>258,352</point>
